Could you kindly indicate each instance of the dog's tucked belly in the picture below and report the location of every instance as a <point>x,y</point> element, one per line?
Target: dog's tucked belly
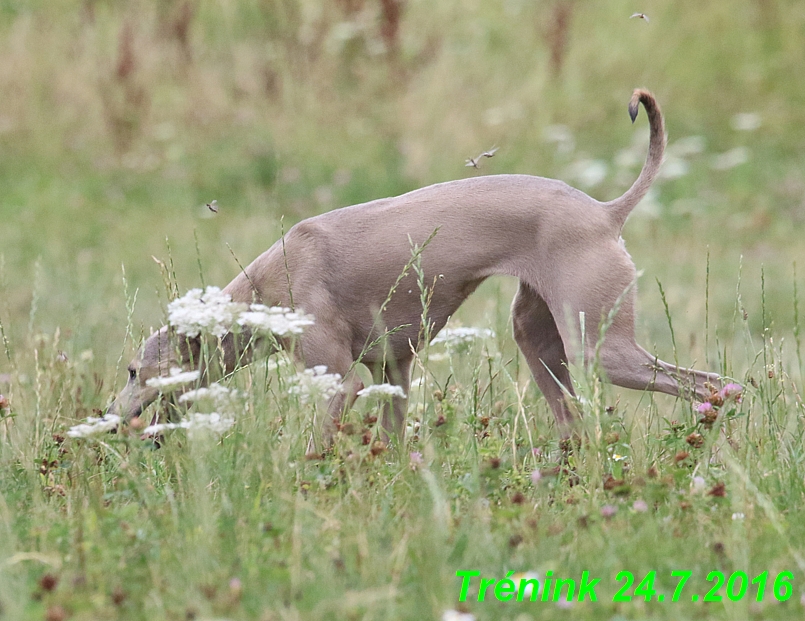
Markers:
<point>402,320</point>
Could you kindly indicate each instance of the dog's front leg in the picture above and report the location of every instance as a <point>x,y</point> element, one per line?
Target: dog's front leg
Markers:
<point>339,404</point>
<point>398,373</point>
<point>538,338</point>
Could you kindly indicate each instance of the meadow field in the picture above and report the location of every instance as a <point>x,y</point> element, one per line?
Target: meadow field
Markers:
<point>120,123</point>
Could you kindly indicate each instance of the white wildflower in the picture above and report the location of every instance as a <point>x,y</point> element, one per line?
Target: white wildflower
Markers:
<point>495,116</point>
<point>276,319</point>
<point>628,158</point>
<point>529,586</point>
<point>588,173</point>
<point>738,516</point>
<point>510,111</point>
<point>562,136</point>
<point>107,422</point>
<point>174,380</point>
<point>152,430</point>
<point>382,390</point>
<point>687,146</point>
<point>277,363</point>
<point>453,337</point>
<point>674,168</point>
<point>730,159</point>
<point>209,312</point>
<point>650,206</point>
<point>455,615</point>
<point>315,383</point>
<point>745,121</point>
<point>212,422</point>
<point>699,485</point>
<point>221,397</point>
<point>418,382</point>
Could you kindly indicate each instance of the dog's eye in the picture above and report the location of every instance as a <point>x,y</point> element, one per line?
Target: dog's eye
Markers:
<point>132,374</point>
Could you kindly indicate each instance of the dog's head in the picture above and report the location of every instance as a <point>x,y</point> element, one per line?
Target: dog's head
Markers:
<point>163,351</point>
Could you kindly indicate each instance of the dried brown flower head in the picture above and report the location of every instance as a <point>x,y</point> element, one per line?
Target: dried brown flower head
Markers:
<point>681,456</point>
<point>696,440</point>
<point>48,582</point>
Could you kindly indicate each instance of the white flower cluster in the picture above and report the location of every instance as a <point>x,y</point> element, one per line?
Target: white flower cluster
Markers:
<point>456,615</point>
<point>93,426</point>
<point>276,319</point>
<point>174,380</point>
<point>455,337</point>
<point>315,383</point>
<point>213,422</point>
<point>218,396</point>
<point>213,312</point>
<point>279,362</point>
<point>210,311</point>
<point>382,390</point>
<point>746,121</point>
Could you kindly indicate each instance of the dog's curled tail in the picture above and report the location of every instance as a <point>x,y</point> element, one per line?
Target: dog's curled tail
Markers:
<point>620,208</point>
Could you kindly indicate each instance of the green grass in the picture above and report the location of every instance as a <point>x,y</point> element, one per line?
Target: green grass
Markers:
<point>115,130</point>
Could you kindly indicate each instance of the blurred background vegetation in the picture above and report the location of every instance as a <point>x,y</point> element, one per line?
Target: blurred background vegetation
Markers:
<point>119,121</point>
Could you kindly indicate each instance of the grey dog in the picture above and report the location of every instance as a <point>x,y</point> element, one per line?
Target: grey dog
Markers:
<point>563,246</point>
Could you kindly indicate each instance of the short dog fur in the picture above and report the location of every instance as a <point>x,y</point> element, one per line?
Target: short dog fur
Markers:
<point>563,246</point>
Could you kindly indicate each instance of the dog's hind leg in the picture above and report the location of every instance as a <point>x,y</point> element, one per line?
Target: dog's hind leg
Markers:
<point>600,286</point>
<point>627,364</point>
<point>320,348</point>
<point>537,336</point>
